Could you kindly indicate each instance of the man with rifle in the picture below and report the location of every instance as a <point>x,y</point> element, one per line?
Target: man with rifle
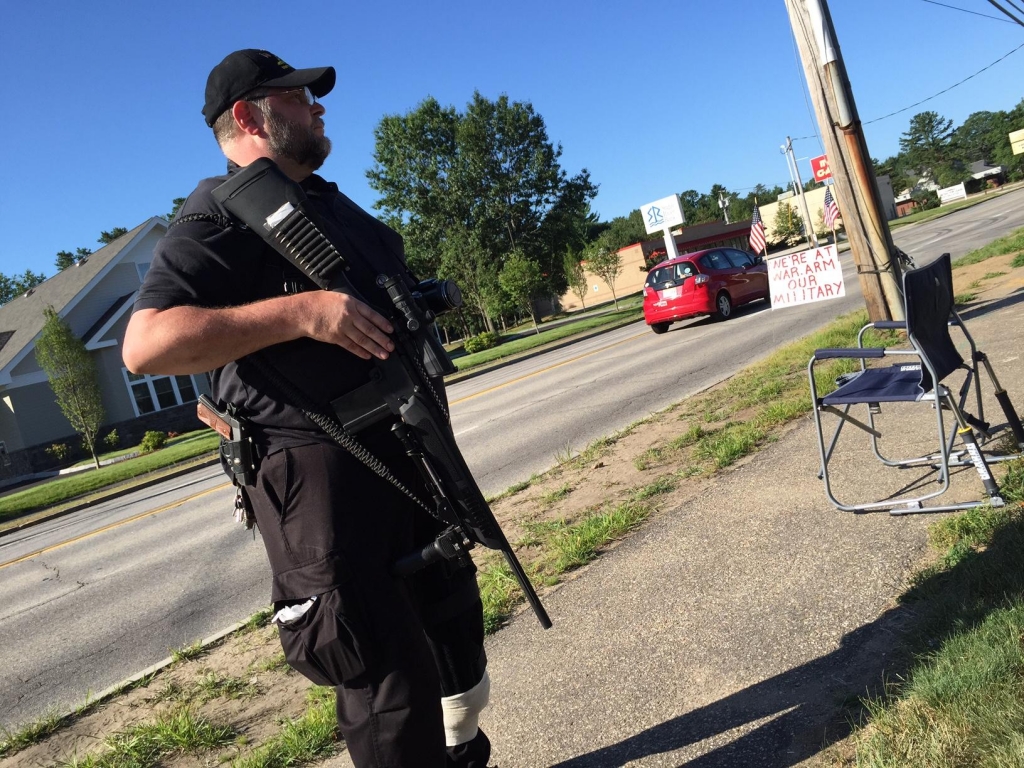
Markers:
<point>400,638</point>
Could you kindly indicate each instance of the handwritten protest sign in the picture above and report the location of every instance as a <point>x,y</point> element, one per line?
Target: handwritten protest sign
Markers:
<point>800,278</point>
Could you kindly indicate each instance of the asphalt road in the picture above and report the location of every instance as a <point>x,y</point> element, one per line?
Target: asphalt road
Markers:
<point>90,599</point>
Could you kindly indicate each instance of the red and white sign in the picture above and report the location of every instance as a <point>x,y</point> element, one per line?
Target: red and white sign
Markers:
<point>820,169</point>
<point>800,278</point>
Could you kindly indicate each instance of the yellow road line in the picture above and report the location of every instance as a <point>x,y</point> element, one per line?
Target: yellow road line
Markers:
<point>131,519</point>
<point>545,370</point>
<point>225,485</point>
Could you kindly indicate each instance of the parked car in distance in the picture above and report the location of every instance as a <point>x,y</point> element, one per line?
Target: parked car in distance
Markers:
<point>710,282</point>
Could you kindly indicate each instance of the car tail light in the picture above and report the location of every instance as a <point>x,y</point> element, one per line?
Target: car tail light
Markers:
<point>701,279</point>
<point>648,291</point>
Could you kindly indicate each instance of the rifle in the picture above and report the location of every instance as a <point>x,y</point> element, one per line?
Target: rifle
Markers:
<point>262,198</point>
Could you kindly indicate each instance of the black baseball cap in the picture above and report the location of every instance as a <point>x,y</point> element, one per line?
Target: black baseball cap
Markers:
<point>244,71</point>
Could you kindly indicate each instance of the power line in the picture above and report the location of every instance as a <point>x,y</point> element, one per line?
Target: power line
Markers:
<point>922,101</point>
<point>983,15</point>
<point>945,90</point>
<point>1006,12</point>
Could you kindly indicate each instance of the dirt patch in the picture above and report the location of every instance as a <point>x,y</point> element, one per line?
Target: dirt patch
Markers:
<point>241,682</point>
<point>988,280</point>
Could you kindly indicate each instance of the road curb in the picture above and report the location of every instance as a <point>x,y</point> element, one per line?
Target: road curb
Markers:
<point>43,516</point>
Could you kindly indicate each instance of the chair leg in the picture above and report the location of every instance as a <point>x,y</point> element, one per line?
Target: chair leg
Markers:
<point>966,434</point>
<point>1004,402</point>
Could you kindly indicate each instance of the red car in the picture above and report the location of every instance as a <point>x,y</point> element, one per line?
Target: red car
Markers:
<point>709,282</point>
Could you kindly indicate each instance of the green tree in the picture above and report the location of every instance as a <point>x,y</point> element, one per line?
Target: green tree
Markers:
<point>927,146</point>
<point>689,200</point>
<point>521,279</point>
<point>108,237</point>
<point>900,176</point>
<point>985,136</point>
<point>467,188</point>
<point>606,264</point>
<point>72,375</point>
<point>176,204</point>
<point>64,260</point>
<point>788,223</point>
<point>18,284</point>
<point>576,275</point>
<point>624,230</point>
<point>67,259</point>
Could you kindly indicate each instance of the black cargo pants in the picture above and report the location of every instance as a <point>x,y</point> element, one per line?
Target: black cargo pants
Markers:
<point>391,647</point>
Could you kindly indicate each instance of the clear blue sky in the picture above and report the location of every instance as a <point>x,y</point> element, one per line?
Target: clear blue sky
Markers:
<point>101,101</point>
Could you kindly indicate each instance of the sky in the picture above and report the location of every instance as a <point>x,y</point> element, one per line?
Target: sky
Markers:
<point>101,124</point>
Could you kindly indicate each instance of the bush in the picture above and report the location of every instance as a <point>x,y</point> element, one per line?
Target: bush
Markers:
<point>481,341</point>
<point>927,199</point>
<point>153,441</point>
<point>59,451</point>
<point>112,440</point>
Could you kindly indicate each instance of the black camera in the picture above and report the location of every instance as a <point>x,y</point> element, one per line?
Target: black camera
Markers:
<point>438,296</point>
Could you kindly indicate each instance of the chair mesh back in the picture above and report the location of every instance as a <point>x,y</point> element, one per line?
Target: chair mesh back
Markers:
<point>928,292</point>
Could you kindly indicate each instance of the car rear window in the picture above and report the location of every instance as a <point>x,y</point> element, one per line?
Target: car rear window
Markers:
<point>671,275</point>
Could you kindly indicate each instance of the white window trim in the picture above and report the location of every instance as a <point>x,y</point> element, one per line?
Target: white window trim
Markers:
<point>94,342</point>
<point>148,380</point>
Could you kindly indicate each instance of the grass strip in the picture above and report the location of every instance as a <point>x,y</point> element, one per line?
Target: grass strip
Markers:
<point>65,489</point>
<point>566,546</point>
<point>764,397</point>
<point>1011,243</point>
<point>39,729</point>
<point>146,744</point>
<point>630,311</point>
<point>962,700</point>
<point>934,213</point>
<point>312,736</point>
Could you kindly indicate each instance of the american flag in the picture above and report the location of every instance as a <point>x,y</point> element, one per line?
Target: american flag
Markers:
<point>831,209</point>
<point>757,241</point>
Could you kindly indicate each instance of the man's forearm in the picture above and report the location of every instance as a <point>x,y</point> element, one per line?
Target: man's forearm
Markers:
<point>185,340</point>
<point>188,339</point>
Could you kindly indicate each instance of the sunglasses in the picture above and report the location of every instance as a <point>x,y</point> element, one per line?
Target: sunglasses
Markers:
<point>301,95</point>
<point>307,96</point>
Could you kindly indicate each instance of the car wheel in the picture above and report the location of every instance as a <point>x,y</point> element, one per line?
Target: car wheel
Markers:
<point>723,305</point>
<point>659,327</point>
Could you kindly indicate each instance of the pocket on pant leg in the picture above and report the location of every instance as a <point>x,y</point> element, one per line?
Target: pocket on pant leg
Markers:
<point>331,643</point>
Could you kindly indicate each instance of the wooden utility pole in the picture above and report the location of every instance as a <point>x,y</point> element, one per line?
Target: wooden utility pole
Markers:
<point>848,158</point>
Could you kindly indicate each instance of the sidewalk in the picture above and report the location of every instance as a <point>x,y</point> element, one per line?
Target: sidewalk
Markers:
<point>733,627</point>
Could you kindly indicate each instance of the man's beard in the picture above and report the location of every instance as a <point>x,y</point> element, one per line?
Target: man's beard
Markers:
<point>296,142</point>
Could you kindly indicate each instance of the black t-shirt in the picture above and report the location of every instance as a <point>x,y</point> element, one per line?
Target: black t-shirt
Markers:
<point>206,261</point>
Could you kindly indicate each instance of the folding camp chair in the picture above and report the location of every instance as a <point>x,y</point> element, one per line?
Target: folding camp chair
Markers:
<point>932,358</point>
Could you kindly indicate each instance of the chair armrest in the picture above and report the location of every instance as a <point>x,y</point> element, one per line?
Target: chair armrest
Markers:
<point>855,353</point>
<point>890,325</point>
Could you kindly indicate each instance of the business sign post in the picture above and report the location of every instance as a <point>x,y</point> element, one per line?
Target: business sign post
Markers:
<point>820,169</point>
<point>662,215</point>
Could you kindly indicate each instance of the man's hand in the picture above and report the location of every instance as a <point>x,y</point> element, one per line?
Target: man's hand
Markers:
<point>195,339</point>
<point>337,318</point>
